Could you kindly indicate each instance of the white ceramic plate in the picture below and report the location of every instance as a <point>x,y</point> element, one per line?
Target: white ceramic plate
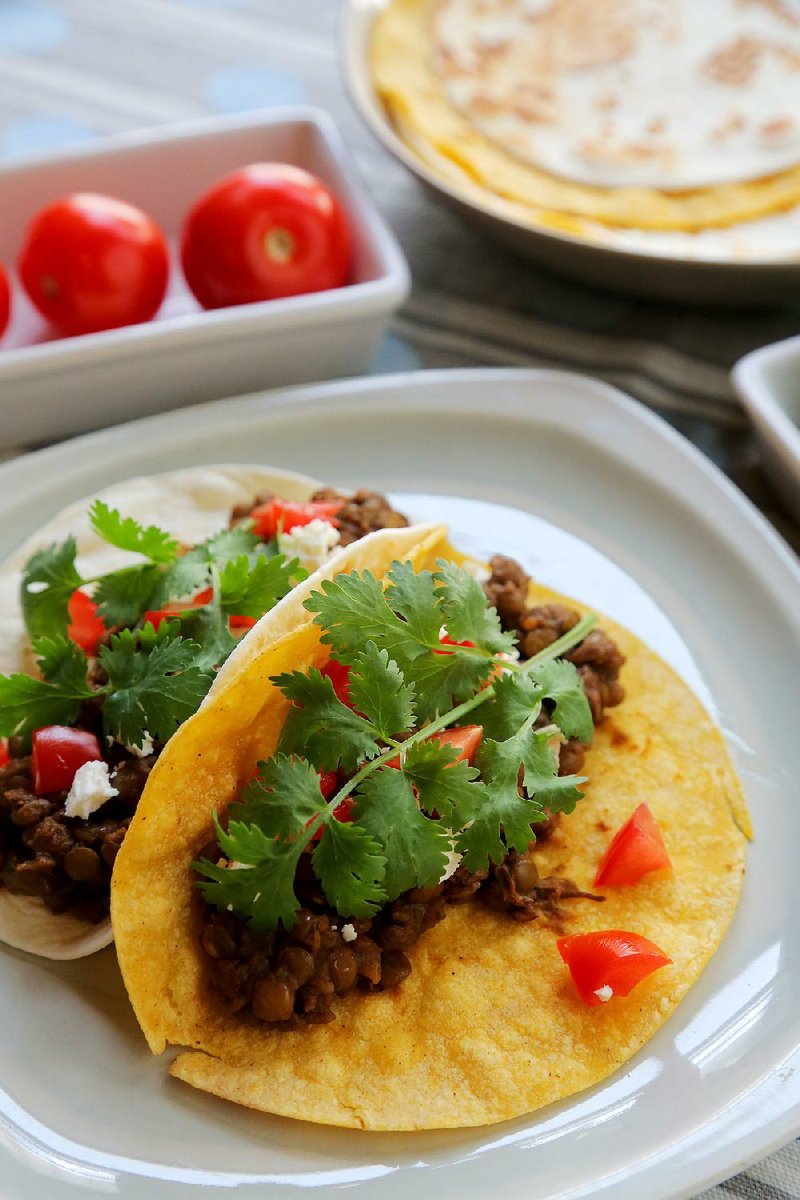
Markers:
<point>87,1110</point>
<point>740,266</point>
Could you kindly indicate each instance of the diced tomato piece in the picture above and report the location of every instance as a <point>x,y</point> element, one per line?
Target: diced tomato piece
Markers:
<point>328,783</point>
<point>239,621</point>
<point>85,627</point>
<point>156,615</point>
<point>58,751</point>
<point>609,959</point>
<point>339,675</point>
<point>280,516</point>
<point>5,757</point>
<point>464,739</point>
<point>446,640</point>
<point>635,850</point>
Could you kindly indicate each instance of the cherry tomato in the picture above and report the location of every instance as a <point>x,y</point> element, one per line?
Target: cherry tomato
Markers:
<point>279,516</point>
<point>85,627</point>
<point>328,783</point>
<point>609,962</point>
<point>91,262</point>
<point>265,231</point>
<point>58,751</point>
<point>5,300</point>
<point>635,850</point>
<point>5,757</point>
<point>339,675</point>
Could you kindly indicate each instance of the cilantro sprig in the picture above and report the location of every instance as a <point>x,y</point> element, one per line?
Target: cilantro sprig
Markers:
<point>153,685</point>
<point>155,680</point>
<point>413,801</point>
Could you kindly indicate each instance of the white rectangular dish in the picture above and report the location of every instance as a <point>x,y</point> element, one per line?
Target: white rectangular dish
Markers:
<point>768,384</point>
<point>51,388</point>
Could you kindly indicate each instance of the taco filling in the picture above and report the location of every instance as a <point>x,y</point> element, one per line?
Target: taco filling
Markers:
<point>286,968</point>
<point>122,659</point>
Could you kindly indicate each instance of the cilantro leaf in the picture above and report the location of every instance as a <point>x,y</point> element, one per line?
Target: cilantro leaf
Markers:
<point>413,595</point>
<point>518,698</point>
<point>560,681</point>
<point>48,580</point>
<point>208,628</point>
<point>283,799</point>
<point>442,678</point>
<point>263,889</point>
<point>465,611</point>
<point>323,729</point>
<point>27,704</point>
<point>128,534</point>
<point>350,867</point>
<point>352,610</point>
<point>415,846</point>
<point>154,683</point>
<point>189,574</point>
<point>451,789</point>
<point>122,596</point>
<point>63,664</point>
<point>378,690</point>
<point>251,589</point>
<point>230,544</point>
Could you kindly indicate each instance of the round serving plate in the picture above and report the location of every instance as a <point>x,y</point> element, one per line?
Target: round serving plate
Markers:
<point>652,275</point>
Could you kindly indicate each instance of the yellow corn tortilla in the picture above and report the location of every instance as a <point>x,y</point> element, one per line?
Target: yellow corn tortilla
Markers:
<point>193,504</point>
<point>451,146</point>
<point>488,1025</point>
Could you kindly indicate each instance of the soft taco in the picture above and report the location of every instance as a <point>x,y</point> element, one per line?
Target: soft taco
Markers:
<point>114,619</point>
<point>358,874</point>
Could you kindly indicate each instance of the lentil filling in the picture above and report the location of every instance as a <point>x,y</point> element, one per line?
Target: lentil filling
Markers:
<point>291,977</point>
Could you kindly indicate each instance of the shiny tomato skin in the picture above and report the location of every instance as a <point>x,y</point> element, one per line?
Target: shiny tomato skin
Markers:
<point>86,627</point>
<point>464,739</point>
<point>91,262</point>
<point>265,231</point>
<point>636,850</point>
<point>339,675</point>
<point>609,958</point>
<point>281,516</point>
<point>58,751</point>
<point>5,299</point>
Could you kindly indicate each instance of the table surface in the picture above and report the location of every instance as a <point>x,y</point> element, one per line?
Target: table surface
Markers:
<point>72,70</point>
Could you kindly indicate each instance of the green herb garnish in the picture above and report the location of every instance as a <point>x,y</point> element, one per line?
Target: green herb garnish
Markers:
<point>413,802</point>
<point>156,679</point>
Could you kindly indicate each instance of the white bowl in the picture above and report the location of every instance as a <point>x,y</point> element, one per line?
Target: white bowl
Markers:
<point>52,387</point>
<point>768,383</point>
<point>654,274</point>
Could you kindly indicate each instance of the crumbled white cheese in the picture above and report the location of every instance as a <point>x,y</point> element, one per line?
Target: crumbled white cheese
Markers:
<point>348,933</point>
<point>604,993</point>
<point>476,569</point>
<point>145,749</point>
<point>313,544</point>
<point>91,787</point>
<point>233,865</point>
<point>453,860</point>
